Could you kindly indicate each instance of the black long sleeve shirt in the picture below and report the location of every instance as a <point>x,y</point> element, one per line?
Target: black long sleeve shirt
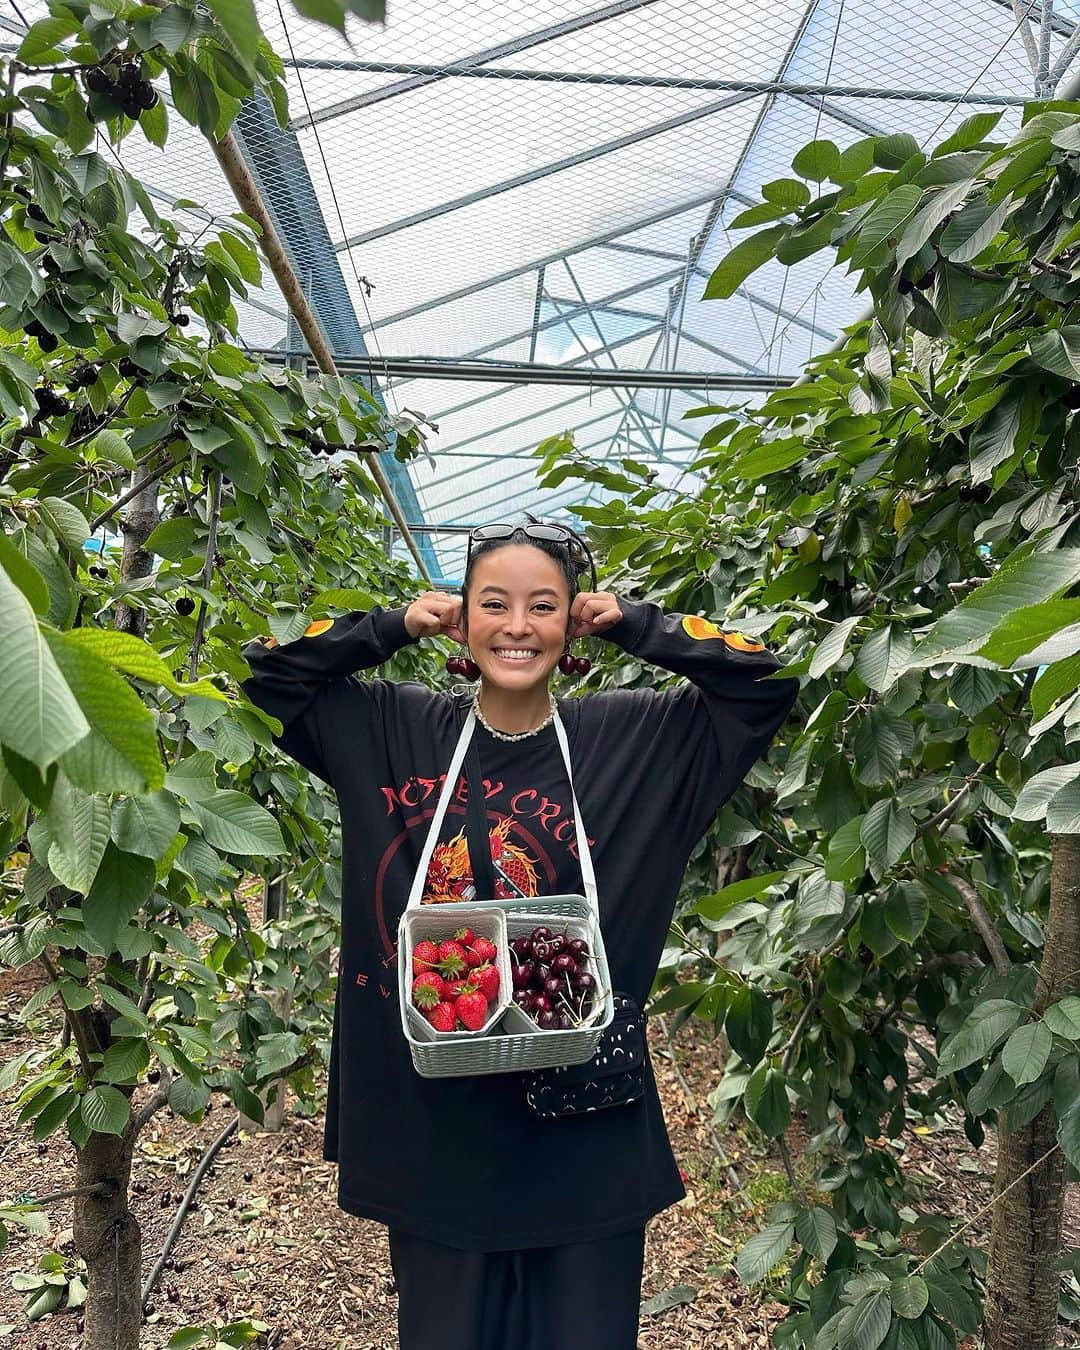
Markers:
<point>462,1161</point>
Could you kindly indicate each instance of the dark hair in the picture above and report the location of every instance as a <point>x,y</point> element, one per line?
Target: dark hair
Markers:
<point>572,560</point>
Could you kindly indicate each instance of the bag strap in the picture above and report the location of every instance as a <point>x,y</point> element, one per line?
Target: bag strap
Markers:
<point>588,876</point>
<point>476,827</point>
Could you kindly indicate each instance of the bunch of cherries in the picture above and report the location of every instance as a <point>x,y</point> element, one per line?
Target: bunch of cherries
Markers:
<point>550,980</point>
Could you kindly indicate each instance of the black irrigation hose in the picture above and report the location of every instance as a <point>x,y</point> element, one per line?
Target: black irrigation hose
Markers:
<point>185,1204</point>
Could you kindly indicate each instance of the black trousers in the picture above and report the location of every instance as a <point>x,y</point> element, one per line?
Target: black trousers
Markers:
<point>584,1294</point>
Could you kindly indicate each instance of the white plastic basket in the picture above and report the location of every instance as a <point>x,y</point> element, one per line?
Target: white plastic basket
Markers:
<point>516,1043</point>
<point>513,1042</point>
<point>439,922</point>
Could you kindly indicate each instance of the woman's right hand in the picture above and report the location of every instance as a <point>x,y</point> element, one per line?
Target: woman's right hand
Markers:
<point>435,614</point>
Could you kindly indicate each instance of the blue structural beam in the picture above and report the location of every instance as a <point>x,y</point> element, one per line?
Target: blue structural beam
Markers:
<point>277,163</point>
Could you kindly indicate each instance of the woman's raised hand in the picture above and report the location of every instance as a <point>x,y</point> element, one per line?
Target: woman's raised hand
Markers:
<point>435,614</point>
<point>592,612</point>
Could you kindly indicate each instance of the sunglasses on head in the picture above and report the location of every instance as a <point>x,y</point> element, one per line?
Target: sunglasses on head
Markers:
<point>552,534</point>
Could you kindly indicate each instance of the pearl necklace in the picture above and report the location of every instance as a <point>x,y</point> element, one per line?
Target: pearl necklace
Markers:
<point>512,735</point>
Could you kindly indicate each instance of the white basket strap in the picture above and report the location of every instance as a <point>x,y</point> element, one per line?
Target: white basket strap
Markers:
<point>588,876</point>
<point>456,761</point>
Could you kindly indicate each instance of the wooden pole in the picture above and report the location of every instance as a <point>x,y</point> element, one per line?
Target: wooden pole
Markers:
<point>251,203</point>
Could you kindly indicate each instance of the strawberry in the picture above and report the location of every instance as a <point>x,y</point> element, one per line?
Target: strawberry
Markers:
<point>485,949</point>
<point>425,957</point>
<point>428,989</point>
<point>442,1017</point>
<point>465,936</point>
<point>452,989</point>
<point>451,958</point>
<point>472,959</point>
<point>486,979</point>
<point>472,1008</point>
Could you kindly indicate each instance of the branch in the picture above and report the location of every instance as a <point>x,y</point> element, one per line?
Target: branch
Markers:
<point>143,483</point>
<point>76,1021</point>
<point>796,1185</point>
<point>787,1050</point>
<point>149,1108</point>
<point>981,922</point>
<point>1027,37</point>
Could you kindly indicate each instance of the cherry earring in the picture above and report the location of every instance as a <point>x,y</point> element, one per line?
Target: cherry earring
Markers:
<point>574,665</point>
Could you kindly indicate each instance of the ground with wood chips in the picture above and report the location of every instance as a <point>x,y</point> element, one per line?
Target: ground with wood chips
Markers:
<point>267,1240</point>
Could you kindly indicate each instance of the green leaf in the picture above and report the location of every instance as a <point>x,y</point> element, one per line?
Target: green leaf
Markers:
<point>173,27</point>
<point>1058,350</point>
<point>767,458</point>
<point>24,574</point>
<point>789,192</point>
<point>988,1024</point>
<point>763,1251</point>
<point>909,1296</point>
<point>1063,1018</point>
<point>105,1110</point>
<point>817,160</point>
<point>130,654</point>
<point>1026,1051</point>
<point>893,152</point>
<point>1024,578</point>
<point>67,522</point>
<point>1031,627</point>
<point>40,717</point>
<point>240,22</point>
<point>146,825</point>
<point>907,909</point>
<point>79,826</point>
<point>865,1324</point>
<point>885,221</point>
<point>154,123</point>
<point>803,241</point>
<point>110,445</point>
<point>1041,789</point>
<point>993,1090</point>
<point>122,883</point>
<point>973,131</point>
<point>746,257</point>
<point>41,45</point>
<point>816,1230</point>
<point>670,1298</point>
<point>846,858</point>
<point>766,1100</point>
<point>233,822</point>
<point>715,906</point>
<point>117,999</point>
<point>175,538</point>
<point>973,229</point>
<point>831,648</point>
<point>887,832</point>
<point>1068,1133</point>
<point>117,715</point>
<point>749,1023</point>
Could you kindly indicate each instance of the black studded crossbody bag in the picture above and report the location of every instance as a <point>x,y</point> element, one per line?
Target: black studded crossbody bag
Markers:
<point>614,1076</point>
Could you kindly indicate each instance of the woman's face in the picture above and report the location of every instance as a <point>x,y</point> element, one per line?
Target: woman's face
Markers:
<point>518,602</point>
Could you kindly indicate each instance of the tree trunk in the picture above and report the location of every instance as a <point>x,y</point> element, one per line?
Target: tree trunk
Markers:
<point>108,1238</point>
<point>1025,1238</point>
<point>140,518</point>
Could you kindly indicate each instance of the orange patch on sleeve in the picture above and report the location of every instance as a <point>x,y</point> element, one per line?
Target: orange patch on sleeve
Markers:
<point>705,628</point>
<point>319,626</point>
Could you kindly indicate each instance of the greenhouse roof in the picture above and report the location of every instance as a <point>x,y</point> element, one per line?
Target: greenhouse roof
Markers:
<point>488,201</point>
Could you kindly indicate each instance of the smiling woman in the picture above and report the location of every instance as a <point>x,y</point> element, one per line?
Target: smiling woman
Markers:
<point>650,769</point>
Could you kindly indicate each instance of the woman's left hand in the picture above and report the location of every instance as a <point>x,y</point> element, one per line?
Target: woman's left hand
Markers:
<point>592,612</point>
